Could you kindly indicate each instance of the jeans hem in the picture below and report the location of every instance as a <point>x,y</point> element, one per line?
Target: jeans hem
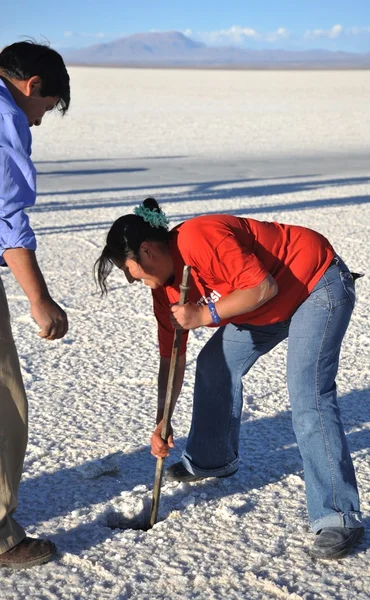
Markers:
<point>11,541</point>
<point>352,520</point>
<point>219,472</point>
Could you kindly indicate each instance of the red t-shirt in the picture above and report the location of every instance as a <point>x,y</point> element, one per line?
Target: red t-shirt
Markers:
<point>228,253</point>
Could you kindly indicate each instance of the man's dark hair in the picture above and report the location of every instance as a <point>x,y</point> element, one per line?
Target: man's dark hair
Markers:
<point>24,60</point>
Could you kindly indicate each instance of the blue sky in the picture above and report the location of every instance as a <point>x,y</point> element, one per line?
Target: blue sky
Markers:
<point>289,24</point>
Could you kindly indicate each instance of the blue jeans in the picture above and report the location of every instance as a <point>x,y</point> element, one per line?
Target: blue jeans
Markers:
<point>315,333</point>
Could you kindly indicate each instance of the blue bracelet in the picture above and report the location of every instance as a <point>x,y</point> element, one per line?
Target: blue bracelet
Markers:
<point>212,309</point>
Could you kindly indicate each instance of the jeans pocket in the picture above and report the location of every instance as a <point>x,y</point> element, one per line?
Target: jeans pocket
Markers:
<point>348,286</point>
<point>320,297</point>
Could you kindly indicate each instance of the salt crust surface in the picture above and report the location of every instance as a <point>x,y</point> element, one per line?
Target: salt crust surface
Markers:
<point>286,146</point>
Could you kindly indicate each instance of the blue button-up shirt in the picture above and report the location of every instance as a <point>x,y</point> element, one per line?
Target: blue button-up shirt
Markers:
<point>17,176</point>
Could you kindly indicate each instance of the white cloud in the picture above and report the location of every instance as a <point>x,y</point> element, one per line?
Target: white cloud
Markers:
<point>279,34</point>
<point>335,32</point>
<point>70,34</point>
<point>238,35</point>
<point>358,30</point>
<point>234,35</point>
<point>332,33</point>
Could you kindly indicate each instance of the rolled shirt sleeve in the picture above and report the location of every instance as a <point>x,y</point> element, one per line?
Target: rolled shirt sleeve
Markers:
<point>17,183</point>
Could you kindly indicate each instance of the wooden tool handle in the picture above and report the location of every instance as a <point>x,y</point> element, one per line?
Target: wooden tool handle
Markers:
<point>184,287</point>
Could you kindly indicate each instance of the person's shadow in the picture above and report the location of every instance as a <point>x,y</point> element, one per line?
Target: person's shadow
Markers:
<point>268,453</point>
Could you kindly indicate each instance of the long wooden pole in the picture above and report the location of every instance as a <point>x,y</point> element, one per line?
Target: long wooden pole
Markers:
<point>184,287</point>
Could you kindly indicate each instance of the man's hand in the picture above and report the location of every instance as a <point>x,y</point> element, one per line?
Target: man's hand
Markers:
<point>50,317</point>
<point>159,448</point>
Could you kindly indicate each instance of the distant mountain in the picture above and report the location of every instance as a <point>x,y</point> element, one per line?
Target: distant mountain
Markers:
<point>173,49</point>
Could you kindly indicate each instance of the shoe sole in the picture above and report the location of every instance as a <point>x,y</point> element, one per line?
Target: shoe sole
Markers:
<point>341,553</point>
<point>41,560</point>
<point>195,478</point>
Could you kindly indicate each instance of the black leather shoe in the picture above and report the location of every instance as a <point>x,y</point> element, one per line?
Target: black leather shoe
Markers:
<point>335,542</point>
<point>177,472</point>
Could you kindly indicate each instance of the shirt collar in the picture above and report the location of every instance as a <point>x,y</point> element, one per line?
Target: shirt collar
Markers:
<point>7,93</point>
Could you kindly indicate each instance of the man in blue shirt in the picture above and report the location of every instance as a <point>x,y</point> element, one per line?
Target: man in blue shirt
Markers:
<point>33,81</point>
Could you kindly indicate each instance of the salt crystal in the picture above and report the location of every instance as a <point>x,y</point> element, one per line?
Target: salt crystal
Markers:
<point>140,488</point>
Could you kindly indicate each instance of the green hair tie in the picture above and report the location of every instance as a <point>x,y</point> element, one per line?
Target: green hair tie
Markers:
<point>153,217</point>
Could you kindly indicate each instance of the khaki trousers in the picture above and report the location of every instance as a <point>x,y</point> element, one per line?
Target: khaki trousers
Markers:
<point>13,430</point>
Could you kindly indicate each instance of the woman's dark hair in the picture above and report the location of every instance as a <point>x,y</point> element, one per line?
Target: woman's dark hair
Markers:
<point>124,240</point>
<point>24,60</point>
